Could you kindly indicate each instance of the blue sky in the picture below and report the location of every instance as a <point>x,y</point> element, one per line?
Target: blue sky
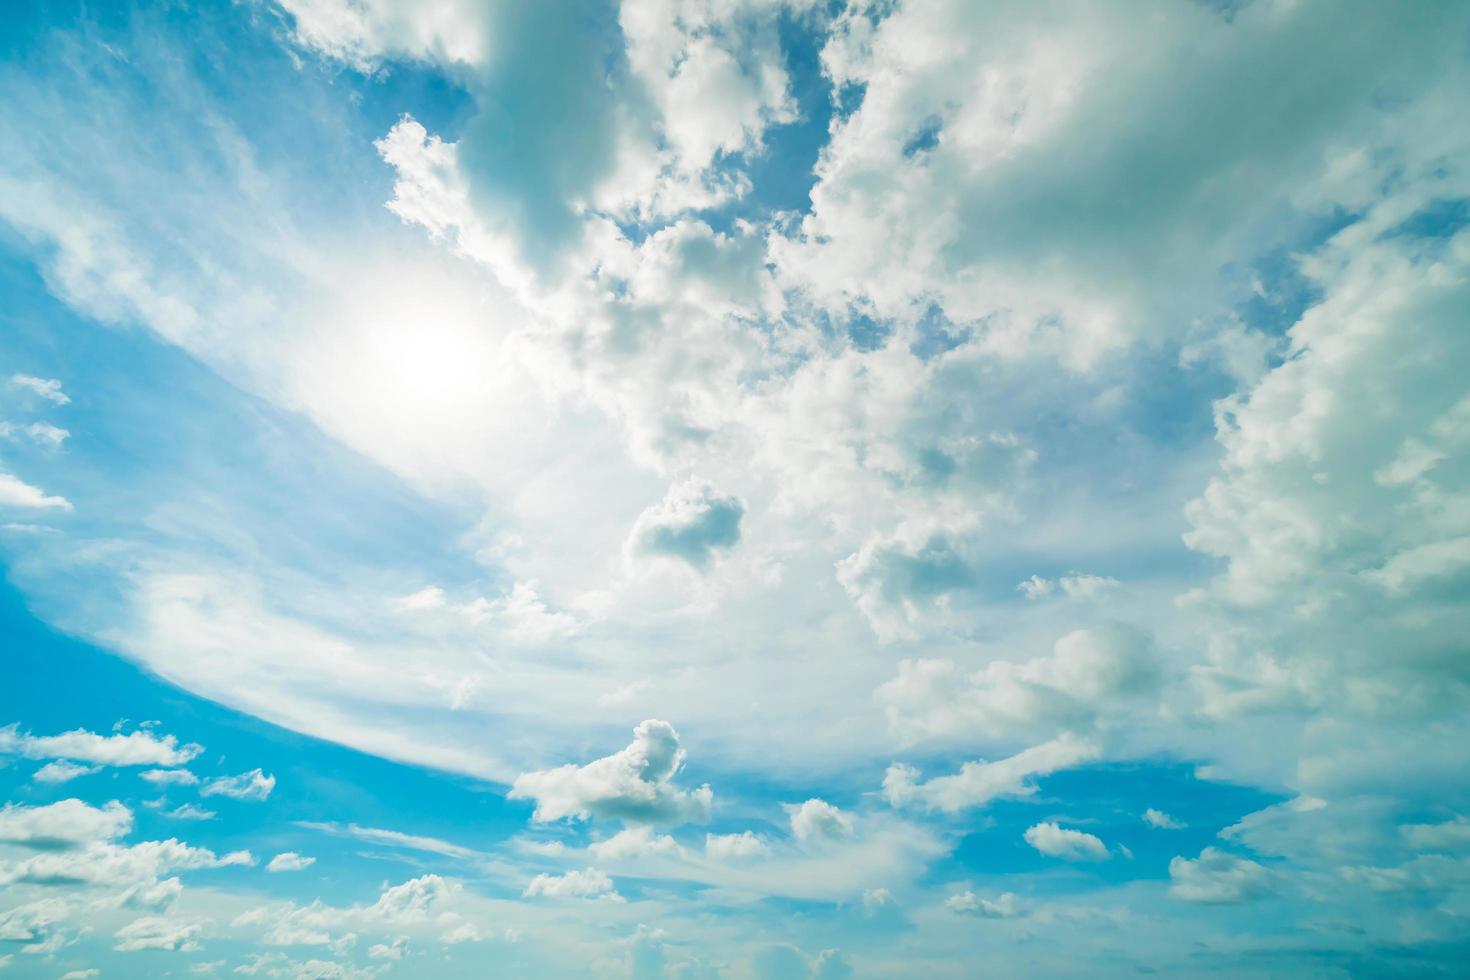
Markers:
<point>734,488</point>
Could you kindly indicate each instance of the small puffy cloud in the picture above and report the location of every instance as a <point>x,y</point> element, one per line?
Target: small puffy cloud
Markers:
<point>1036,587</point>
<point>524,616</point>
<point>66,824</point>
<point>168,777</point>
<point>633,843</point>
<point>635,785</point>
<point>1090,678</point>
<point>726,847</point>
<point>289,861</point>
<point>86,974</point>
<point>817,821</point>
<point>977,783</point>
<point>15,492</point>
<point>31,922</point>
<point>1161,820</point>
<point>691,523</point>
<point>47,388</point>
<point>254,785</point>
<point>591,883</point>
<point>361,34</point>
<point>1451,835</point>
<point>520,615</point>
<point>41,433</point>
<point>100,863</point>
<point>152,896</point>
<point>1076,585</point>
<point>895,581</point>
<point>876,899</point>
<point>189,811</point>
<point>62,771</point>
<point>139,748</point>
<point>1005,906</point>
<point>412,900</point>
<point>1218,877</point>
<point>1062,842</point>
<point>158,932</point>
<point>384,951</point>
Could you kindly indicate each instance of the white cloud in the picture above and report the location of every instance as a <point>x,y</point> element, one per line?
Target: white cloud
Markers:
<point>1450,835</point>
<point>47,388</point>
<point>728,847</point>
<point>1091,678</point>
<point>690,524</point>
<point>254,785</point>
<point>113,864</point>
<point>384,951</point>
<point>189,811</point>
<point>166,777</point>
<point>41,433</point>
<point>1077,585</point>
<point>391,838</point>
<point>152,896</point>
<point>1004,906</point>
<point>289,861</point>
<point>15,492</point>
<point>413,904</point>
<point>635,784</point>
<point>978,783</point>
<point>156,932</point>
<point>62,771</point>
<point>1218,876</point>
<point>1161,820</point>
<point>67,824</point>
<point>33,921</point>
<point>1036,587</point>
<point>591,883</point>
<point>816,822</point>
<point>138,748</point>
<point>363,32</point>
<point>634,843</point>
<point>1063,842</point>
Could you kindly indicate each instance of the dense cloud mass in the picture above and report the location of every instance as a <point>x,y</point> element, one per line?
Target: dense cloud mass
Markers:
<point>1022,447</point>
<point>634,785</point>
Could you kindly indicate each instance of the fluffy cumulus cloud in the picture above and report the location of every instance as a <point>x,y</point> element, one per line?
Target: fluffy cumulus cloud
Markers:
<point>634,785</point>
<point>114,864</point>
<point>1090,679</point>
<point>818,822</point>
<point>15,492</point>
<point>725,847</point>
<point>1218,876</point>
<point>691,523</point>
<point>634,843</point>
<point>289,861</point>
<point>62,825</point>
<point>590,883</point>
<point>61,771</point>
<point>137,748</point>
<point>155,932</point>
<point>1004,906</point>
<point>1160,820</point>
<point>254,785</point>
<point>1074,845</point>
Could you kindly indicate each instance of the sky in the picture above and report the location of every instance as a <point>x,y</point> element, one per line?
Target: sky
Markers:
<point>748,489</point>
